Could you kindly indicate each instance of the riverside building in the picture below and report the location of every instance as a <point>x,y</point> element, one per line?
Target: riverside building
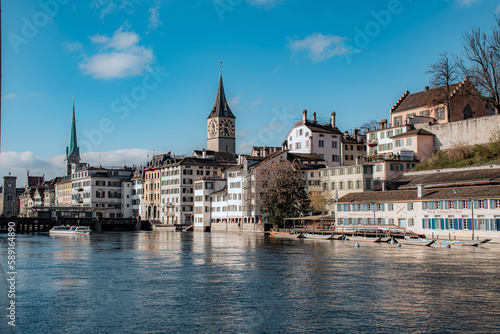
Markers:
<point>448,204</point>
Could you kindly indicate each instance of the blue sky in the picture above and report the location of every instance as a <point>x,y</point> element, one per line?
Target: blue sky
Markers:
<point>145,72</point>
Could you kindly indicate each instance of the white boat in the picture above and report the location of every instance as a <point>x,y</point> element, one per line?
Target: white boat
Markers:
<point>362,239</point>
<point>318,236</point>
<point>415,241</point>
<point>68,229</point>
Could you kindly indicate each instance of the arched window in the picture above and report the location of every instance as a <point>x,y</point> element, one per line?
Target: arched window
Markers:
<point>468,111</point>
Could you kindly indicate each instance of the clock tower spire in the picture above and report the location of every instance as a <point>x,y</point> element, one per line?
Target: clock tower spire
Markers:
<point>221,124</point>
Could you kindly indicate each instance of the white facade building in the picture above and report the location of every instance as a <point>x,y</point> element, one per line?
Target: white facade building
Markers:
<point>311,137</point>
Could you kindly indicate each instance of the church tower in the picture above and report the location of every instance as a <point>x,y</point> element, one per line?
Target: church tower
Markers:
<point>221,124</point>
<point>72,151</point>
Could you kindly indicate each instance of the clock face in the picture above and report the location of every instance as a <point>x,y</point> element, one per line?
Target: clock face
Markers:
<point>9,185</point>
<point>212,128</point>
<point>226,127</point>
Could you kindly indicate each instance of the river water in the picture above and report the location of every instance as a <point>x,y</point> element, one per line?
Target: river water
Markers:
<point>170,282</point>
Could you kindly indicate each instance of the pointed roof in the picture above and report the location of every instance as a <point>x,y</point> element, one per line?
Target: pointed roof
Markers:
<point>73,144</point>
<point>221,108</point>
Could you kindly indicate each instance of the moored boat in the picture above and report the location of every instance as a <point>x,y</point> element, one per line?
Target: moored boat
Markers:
<point>317,236</point>
<point>363,239</point>
<point>69,229</point>
<point>287,235</point>
<point>415,241</point>
<point>471,243</point>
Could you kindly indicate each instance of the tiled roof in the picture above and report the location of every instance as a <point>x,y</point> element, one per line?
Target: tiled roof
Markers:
<point>452,193</point>
<point>421,99</point>
<point>323,129</point>
<point>418,132</point>
<point>448,177</point>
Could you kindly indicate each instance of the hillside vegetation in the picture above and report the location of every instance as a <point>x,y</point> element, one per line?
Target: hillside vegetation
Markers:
<point>462,155</point>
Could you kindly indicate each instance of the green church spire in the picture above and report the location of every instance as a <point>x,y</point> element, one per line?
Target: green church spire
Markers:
<point>72,151</point>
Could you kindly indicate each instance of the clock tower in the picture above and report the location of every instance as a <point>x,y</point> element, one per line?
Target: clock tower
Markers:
<point>221,125</point>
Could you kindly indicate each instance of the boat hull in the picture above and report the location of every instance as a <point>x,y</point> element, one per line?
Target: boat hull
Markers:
<point>70,230</point>
<point>363,239</point>
<point>318,236</point>
<point>416,242</point>
<point>285,235</point>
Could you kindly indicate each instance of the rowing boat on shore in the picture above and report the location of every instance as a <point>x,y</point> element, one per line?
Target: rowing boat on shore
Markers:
<point>363,239</point>
<point>415,241</point>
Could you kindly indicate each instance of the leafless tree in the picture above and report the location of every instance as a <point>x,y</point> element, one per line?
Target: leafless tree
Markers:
<point>280,191</point>
<point>482,63</point>
<point>443,73</point>
<point>368,126</point>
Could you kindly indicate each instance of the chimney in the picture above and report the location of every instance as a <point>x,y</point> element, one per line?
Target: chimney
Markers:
<point>420,190</point>
<point>383,124</point>
<point>314,117</point>
<point>284,145</point>
<point>426,88</point>
<point>304,116</point>
<point>333,119</point>
<point>355,134</point>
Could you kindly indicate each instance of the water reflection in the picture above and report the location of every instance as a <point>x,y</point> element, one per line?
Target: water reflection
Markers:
<point>200,282</point>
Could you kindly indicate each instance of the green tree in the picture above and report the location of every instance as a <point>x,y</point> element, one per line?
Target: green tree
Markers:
<point>280,190</point>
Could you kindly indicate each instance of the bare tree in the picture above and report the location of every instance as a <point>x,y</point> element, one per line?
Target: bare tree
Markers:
<point>482,63</point>
<point>280,190</point>
<point>368,126</point>
<point>443,73</point>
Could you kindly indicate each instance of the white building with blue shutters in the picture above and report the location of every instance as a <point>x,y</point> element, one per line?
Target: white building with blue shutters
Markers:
<point>444,204</point>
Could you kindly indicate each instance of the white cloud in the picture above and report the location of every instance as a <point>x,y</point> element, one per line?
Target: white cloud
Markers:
<point>234,101</point>
<point>320,47</point>
<point>16,96</point>
<point>467,3</point>
<point>18,162</point>
<point>9,96</point>
<point>154,18</point>
<point>119,56</point>
<point>73,46</point>
<point>107,7</point>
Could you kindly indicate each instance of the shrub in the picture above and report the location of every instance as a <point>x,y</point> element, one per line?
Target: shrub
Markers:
<point>459,151</point>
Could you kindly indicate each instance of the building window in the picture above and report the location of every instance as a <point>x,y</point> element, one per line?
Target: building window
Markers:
<point>440,114</point>
<point>297,146</point>
<point>321,143</point>
<point>408,141</point>
<point>334,144</point>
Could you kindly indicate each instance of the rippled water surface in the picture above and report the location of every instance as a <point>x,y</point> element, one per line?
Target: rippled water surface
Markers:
<point>163,282</point>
